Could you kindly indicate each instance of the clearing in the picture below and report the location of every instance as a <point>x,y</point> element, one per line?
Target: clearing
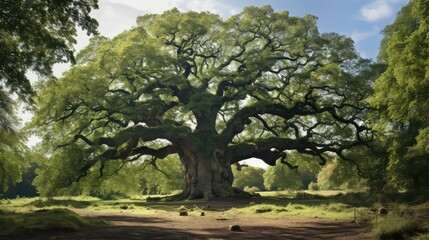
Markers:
<point>162,221</point>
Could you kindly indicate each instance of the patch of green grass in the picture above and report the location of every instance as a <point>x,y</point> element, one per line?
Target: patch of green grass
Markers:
<point>12,223</point>
<point>63,202</point>
<point>333,211</point>
<point>394,227</point>
<point>122,207</point>
<point>17,202</point>
<point>135,205</point>
<point>336,207</point>
<point>282,194</point>
<point>424,236</point>
<point>404,221</point>
<point>327,193</point>
<point>43,202</point>
<point>307,193</point>
<point>319,197</point>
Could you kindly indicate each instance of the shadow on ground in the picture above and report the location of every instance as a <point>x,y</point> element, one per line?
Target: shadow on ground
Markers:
<point>151,227</point>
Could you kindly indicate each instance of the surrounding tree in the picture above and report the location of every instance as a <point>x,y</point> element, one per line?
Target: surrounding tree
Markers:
<point>340,175</point>
<point>34,34</point>
<point>10,156</point>
<point>11,159</point>
<point>124,183</point>
<point>211,91</point>
<point>282,177</point>
<point>401,94</point>
<point>164,177</point>
<point>370,172</point>
<point>24,188</point>
<point>133,179</point>
<point>308,168</point>
<point>248,176</point>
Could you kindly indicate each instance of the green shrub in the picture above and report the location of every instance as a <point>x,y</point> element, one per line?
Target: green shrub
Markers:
<point>313,186</point>
<point>251,189</point>
<point>336,207</point>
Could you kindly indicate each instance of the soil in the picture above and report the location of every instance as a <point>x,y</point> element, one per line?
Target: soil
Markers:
<point>213,226</point>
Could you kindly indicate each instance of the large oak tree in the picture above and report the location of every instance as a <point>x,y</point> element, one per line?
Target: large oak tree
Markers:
<point>211,91</point>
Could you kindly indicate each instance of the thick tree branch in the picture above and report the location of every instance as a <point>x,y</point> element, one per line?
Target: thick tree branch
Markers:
<point>237,123</point>
<point>268,150</point>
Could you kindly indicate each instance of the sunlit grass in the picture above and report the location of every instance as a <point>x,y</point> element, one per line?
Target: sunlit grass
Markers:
<point>285,193</point>
<point>332,210</point>
<point>327,193</point>
<point>138,205</point>
<point>134,205</point>
<point>295,194</point>
<point>33,214</point>
<point>122,207</point>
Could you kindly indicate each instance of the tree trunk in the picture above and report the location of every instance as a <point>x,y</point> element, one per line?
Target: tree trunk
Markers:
<point>207,175</point>
<point>416,183</point>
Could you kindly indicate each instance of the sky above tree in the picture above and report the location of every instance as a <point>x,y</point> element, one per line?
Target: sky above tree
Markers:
<point>360,19</point>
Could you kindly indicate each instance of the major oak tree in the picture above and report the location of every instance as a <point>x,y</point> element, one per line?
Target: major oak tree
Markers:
<point>210,91</point>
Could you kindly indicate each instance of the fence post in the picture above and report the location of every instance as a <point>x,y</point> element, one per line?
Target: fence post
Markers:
<point>354,213</point>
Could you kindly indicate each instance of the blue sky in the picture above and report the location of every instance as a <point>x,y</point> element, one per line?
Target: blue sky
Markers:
<point>360,19</point>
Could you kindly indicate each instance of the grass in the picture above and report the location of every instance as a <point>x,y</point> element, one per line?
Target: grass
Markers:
<point>404,222</point>
<point>40,214</point>
<point>353,198</point>
<point>122,207</point>
<point>294,194</point>
<point>331,210</point>
<point>283,194</point>
<point>424,236</point>
<point>393,227</point>
<point>43,220</point>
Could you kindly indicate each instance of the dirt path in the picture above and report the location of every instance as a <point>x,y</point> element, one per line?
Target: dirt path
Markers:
<point>169,225</point>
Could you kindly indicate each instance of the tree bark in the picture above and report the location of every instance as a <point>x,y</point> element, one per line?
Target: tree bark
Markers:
<point>207,175</point>
<point>416,183</point>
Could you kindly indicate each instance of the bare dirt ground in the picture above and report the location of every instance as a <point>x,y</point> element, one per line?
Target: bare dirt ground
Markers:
<point>169,225</point>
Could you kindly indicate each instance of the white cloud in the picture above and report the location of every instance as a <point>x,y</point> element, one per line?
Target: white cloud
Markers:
<point>377,10</point>
<point>116,16</point>
<point>160,6</point>
<point>358,36</point>
<point>150,6</point>
<point>208,5</point>
<point>202,5</point>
